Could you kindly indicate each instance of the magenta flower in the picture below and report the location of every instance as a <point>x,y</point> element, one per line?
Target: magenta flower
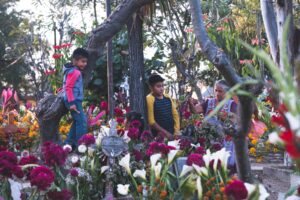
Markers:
<point>118,112</point>
<point>9,165</point>
<point>54,154</point>
<point>133,133</point>
<point>61,195</point>
<point>103,105</point>
<point>87,139</point>
<point>135,124</point>
<point>41,177</point>
<point>211,164</point>
<point>196,159</point>
<point>157,147</point>
<point>28,160</point>
<point>236,190</point>
<point>187,114</point>
<point>185,144</point>
<point>74,172</point>
<point>200,150</point>
<point>216,146</point>
<point>146,136</point>
<point>120,120</point>
<point>137,155</point>
<point>202,141</point>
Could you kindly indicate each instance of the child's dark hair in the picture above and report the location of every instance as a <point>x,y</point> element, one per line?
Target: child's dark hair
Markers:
<point>155,78</point>
<point>80,53</point>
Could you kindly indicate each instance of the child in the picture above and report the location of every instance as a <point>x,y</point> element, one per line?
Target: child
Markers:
<point>73,95</point>
<point>162,114</point>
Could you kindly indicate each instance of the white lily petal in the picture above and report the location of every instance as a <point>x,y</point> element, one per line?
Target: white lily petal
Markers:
<point>274,138</point>
<point>154,158</point>
<point>104,168</point>
<point>250,188</point>
<point>157,170</point>
<point>207,158</point>
<point>174,143</point>
<point>171,155</point>
<point>124,162</point>
<point>140,173</point>
<point>263,194</point>
<point>201,171</point>
<point>185,169</point>
<point>123,189</point>
<point>199,188</point>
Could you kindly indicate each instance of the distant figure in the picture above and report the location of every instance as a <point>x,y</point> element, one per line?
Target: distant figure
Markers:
<point>162,114</point>
<point>73,95</point>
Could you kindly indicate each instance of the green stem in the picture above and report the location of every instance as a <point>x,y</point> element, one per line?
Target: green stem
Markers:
<point>77,189</point>
<point>33,194</point>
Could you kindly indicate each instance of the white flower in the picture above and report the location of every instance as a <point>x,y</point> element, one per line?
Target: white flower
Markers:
<point>67,148</point>
<point>263,194</point>
<point>250,188</point>
<point>221,155</point>
<point>157,170</point>
<point>199,187</point>
<point>74,159</point>
<point>104,168</point>
<point>294,121</point>
<point>293,197</point>
<point>91,151</point>
<point>174,143</point>
<point>124,162</point>
<point>82,148</point>
<point>171,155</point>
<point>274,138</point>
<point>123,189</point>
<point>200,170</point>
<point>154,158</point>
<point>185,169</point>
<point>126,138</point>
<point>140,173</point>
<point>207,158</point>
<point>22,108</point>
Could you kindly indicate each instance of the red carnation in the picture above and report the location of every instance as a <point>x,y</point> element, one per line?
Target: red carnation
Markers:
<point>42,177</point>
<point>216,146</point>
<point>118,112</point>
<point>200,150</point>
<point>236,190</point>
<point>104,105</point>
<point>137,155</point>
<point>157,147</point>
<point>185,144</point>
<point>133,133</point>
<point>54,154</point>
<point>57,56</point>
<point>290,143</point>
<point>136,124</point>
<point>146,136</point>
<point>74,172</point>
<point>196,159</point>
<point>187,114</point>
<point>87,139</point>
<point>61,195</point>
<point>28,160</point>
<point>202,141</point>
<point>120,120</point>
<point>279,120</point>
<point>9,166</point>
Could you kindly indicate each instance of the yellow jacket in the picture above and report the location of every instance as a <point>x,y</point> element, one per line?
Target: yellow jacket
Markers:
<point>150,106</point>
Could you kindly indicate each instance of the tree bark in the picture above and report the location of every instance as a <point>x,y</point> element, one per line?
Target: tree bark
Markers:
<point>224,65</point>
<point>136,65</point>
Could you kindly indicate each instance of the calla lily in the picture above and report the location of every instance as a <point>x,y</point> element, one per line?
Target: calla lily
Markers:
<point>154,158</point>
<point>140,173</point>
<point>185,169</point>
<point>263,194</point>
<point>157,170</point>
<point>124,162</point>
<point>207,158</point>
<point>199,187</point>
<point>201,171</point>
<point>104,168</point>
<point>174,143</point>
<point>171,155</point>
<point>123,189</point>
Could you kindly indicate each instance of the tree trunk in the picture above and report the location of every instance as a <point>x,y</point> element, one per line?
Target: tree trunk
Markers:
<point>136,65</point>
<point>223,64</point>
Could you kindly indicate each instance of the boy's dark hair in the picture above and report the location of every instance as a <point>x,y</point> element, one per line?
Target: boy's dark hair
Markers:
<point>80,53</point>
<point>155,78</point>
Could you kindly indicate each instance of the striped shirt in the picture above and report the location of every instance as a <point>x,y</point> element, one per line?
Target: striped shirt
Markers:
<point>163,114</point>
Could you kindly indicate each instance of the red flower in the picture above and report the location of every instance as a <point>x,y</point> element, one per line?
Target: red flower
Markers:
<point>279,120</point>
<point>50,72</point>
<point>196,159</point>
<point>54,154</point>
<point>189,30</point>
<point>133,133</point>
<point>120,120</point>
<point>221,28</point>
<point>187,114</point>
<point>202,141</point>
<point>57,56</point>
<point>61,195</point>
<point>243,62</point>
<point>74,172</point>
<point>104,105</point>
<point>136,124</point>
<point>290,143</point>
<point>236,190</point>
<point>9,166</point>
<point>185,144</point>
<point>200,150</point>
<point>28,160</point>
<point>146,136</point>
<point>157,147</point>
<point>282,108</point>
<point>137,155</point>
<point>42,177</point>
<point>118,112</point>
<point>216,146</point>
<point>87,139</point>
<point>66,45</point>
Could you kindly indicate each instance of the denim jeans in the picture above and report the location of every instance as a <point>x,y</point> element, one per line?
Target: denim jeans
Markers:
<point>79,125</point>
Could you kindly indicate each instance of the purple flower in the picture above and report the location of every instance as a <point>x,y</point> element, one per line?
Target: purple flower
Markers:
<point>196,159</point>
<point>87,139</point>
<point>202,141</point>
<point>54,154</point>
<point>42,177</point>
<point>61,195</point>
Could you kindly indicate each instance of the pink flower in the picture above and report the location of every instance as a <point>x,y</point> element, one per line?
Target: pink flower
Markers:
<point>28,160</point>
<point>57,56</point>
<point>236,190</point>
<point>74,172</point>
<point>221,28</point>
<point>118,112</point>
<point>244,62</point>
<point>185,144</point>
<point>136,124</point>
<point>196,159</point>
<point>189,30</point>
<point>50,72</point>
<point>133,133</point>
<point>200,150</point>
<point>9,166</point>
<point>54,154</point>
<point>61,195</point>
<point>42,177</point>
<point>104,105</point>
<point>146,136</point>
<point>120,120</point>
<point>87,139</point>
<point>187,114</point>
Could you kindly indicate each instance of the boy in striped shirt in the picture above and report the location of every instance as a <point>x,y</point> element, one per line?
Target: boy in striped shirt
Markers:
<point>163,117</point>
